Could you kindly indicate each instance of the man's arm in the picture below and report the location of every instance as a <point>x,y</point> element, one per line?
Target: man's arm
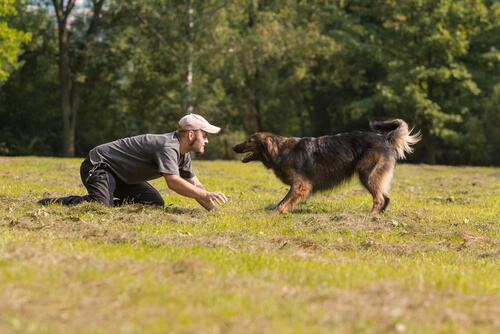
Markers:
<point>194,189</point>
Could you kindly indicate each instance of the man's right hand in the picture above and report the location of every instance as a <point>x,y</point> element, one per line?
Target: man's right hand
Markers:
<point>216,198</point>
<point>194,189</point>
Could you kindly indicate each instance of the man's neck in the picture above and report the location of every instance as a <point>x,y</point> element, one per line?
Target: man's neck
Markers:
<point>183,144</point>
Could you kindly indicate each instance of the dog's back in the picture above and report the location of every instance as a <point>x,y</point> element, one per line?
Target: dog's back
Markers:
<point>329,161</point>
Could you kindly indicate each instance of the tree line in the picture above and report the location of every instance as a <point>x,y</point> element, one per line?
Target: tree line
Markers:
<point>87,72</point>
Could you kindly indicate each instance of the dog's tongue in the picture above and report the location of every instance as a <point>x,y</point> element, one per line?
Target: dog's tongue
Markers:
<point>246,157</point>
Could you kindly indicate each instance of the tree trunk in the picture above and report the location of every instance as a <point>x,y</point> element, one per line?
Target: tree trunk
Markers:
<point>252,122</point>
<point>70,86</point>
<point>68,113</point>
<point>188,80</point>
<point>431,149</point>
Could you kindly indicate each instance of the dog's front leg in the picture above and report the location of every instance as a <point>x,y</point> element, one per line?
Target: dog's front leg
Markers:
<point>298,192</point>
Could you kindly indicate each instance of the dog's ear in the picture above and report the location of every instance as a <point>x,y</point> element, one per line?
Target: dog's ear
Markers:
<point>269,149</point>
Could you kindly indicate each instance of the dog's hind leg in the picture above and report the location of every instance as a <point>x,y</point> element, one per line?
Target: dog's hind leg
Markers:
<point>377,180</point>
<point>298,192</point>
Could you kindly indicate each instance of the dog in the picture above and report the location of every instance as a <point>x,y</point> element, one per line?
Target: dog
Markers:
<point>311,164</point>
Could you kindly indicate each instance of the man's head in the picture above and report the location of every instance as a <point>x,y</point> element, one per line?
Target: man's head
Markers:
<point>193,133</point>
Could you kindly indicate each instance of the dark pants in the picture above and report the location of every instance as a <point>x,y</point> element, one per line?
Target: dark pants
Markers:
<point>104,187</point>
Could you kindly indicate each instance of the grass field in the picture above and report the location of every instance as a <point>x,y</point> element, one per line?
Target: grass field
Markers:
<point>431,264</point>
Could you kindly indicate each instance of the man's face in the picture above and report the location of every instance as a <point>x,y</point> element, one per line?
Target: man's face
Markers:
<point>199,141</point>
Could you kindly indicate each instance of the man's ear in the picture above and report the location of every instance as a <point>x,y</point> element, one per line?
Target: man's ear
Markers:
<point>191,135</point>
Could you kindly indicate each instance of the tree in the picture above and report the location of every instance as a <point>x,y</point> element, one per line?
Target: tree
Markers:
<point>346,74</point>
<point>481,127</point>
<point>265,51</point>
<point>28,103</point>
<point>73,54</point>
<point>427,82</point>
<point>188,81</point>
<point>11,41</point>
<point>167,50</point>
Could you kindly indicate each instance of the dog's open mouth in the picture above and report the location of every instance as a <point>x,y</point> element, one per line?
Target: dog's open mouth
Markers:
<point>248,157</point>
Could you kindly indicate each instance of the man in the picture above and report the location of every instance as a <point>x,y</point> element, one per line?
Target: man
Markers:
<point>122,168</point>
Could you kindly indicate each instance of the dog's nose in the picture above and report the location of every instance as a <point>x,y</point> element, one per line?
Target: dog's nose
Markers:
<point>236,148</point>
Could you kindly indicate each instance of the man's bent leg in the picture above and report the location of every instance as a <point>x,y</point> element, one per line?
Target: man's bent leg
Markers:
<point>143,193</point>
<point>72,200</point>
<point>100,183</point>
<point>101,186</point>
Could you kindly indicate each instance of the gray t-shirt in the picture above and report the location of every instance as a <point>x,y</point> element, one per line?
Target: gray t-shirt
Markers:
<point>144,157</point>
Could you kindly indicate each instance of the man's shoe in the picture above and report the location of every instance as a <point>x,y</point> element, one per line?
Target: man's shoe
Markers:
<point>69,200</point>
<point>46,201</point>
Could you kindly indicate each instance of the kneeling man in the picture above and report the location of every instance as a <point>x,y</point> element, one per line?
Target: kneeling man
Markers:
<point>121,169</point>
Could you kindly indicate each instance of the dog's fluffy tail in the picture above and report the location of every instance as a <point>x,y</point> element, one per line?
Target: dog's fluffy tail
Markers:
<point>398,134</point>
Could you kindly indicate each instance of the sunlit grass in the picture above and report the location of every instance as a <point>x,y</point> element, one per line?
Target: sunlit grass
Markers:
<point>430,264</point>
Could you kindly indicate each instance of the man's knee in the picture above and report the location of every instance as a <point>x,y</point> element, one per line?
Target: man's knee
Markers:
<point>160,202</point>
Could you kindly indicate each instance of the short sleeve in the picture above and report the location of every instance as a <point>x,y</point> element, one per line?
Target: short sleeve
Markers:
<point>186,168</point>
<point>170,161</point>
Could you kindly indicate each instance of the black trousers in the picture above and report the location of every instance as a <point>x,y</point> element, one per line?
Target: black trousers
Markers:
<point>106,188</point>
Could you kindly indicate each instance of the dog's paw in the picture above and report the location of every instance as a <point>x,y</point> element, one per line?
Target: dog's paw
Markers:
<point>280,210</point>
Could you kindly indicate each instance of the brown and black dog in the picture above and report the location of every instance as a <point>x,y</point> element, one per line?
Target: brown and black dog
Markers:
<point>308,164</point>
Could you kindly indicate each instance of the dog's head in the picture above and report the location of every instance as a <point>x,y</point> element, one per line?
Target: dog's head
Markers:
<point>260,146</point>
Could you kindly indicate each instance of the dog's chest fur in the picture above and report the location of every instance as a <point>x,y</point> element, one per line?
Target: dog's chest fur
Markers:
<point>292,158</point>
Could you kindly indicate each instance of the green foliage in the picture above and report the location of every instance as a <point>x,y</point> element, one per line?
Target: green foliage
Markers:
<point>421,45</point>
<point>28,100</point>
<point>296,68</point>
<point>220,145</point>
<point>10,41</point>
<point>483,132</point>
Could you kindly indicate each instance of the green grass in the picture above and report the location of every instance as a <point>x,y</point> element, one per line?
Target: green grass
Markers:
<point>428,265</point>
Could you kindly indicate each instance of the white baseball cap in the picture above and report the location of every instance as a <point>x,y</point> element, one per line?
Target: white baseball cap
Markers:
<point>196,122</point>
